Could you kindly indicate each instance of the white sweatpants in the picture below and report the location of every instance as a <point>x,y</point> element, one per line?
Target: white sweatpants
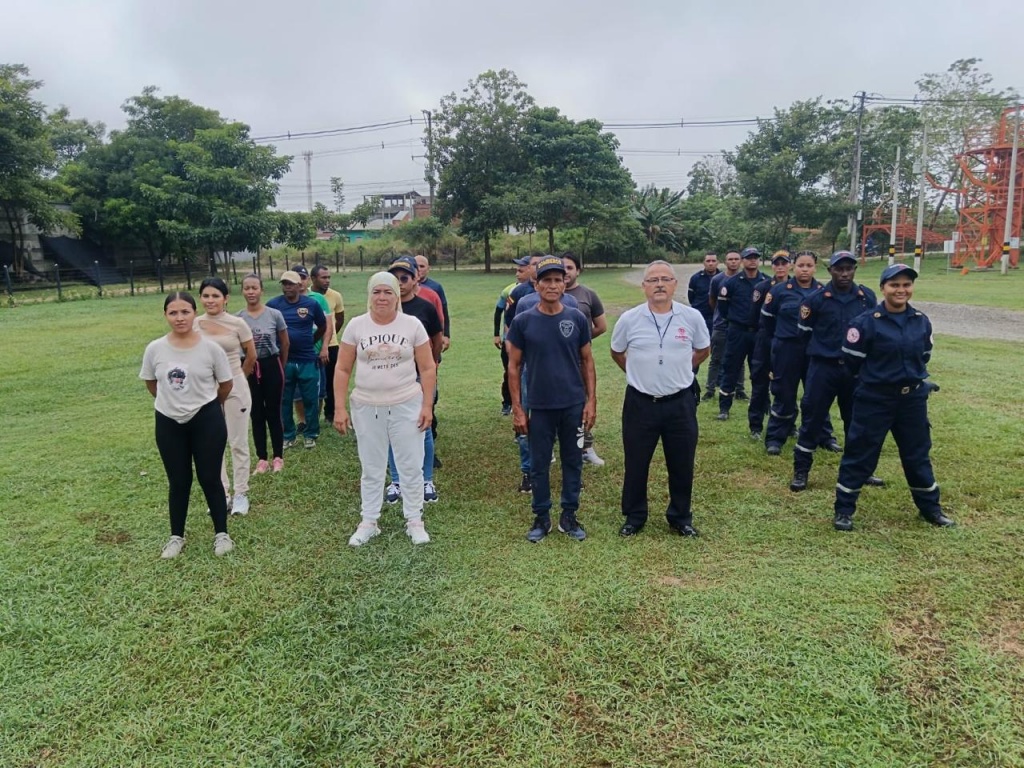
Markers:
<point>236,414</point>
<point>378,426</point>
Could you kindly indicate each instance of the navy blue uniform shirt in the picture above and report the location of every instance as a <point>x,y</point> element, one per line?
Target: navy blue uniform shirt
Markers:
<point>736,298</point>
<point>781,309</point>
<point>826,314</point>
<point>718,322</point>
<point>889,348</point>
<point>697,293</point>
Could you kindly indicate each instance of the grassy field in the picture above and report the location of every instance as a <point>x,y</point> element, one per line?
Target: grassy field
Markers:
<point>769,641</point>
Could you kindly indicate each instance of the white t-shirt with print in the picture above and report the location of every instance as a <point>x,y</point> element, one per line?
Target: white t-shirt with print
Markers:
<point>385,358</point>
<point>186,379</point>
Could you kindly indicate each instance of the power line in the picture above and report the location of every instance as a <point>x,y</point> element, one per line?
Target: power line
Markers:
<point>369,127</point>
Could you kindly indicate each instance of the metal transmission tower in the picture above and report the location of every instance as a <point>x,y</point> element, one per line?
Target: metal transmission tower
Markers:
<point>309,179</point>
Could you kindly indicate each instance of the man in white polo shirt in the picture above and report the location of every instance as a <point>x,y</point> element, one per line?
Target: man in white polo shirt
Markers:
<point>659,345</point>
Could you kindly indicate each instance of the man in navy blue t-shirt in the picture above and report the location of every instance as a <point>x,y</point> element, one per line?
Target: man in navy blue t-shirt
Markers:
<point>306,323</point>
<point>553,342</point>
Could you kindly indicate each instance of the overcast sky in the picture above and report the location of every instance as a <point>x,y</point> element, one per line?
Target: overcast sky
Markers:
<point>315,65</point>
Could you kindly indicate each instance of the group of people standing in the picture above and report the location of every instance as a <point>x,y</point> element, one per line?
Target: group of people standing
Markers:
<point>214,373</point>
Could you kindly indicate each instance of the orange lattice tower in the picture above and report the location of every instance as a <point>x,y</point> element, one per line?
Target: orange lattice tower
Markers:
<point>987,174</point>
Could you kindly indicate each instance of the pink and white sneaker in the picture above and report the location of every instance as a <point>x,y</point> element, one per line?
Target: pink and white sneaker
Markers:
<point>262,467</point>
<point>278,463</point>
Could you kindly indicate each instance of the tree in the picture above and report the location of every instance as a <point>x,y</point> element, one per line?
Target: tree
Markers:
<point>295,229</point>
<point>783,168</point>
<point>178,179</point>
<point>960,106</point>
<point>27,160</point>
<point>338,191</point>
<point>571,172</point>
<point>476,153</point>
<point>658,211</point>
<point>712,175</point>
<point>366,210</point>
<point>424,233</point>
<point>70,138</point>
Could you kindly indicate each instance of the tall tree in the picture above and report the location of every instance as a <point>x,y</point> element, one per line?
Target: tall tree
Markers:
<point>476,152</point>
<point>783,168</point>
<point>659,213</point>
<point>27,160</point>
<point>712,175</point>
<point>338,193</point>
<point>571,172</point>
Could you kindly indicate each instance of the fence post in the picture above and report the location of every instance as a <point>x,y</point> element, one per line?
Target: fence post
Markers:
<point>270,261</point>
<point>360,258</point>
<point>131,274</point>
<point>7,281</point>
<point>60,290</point>
<point>160,273</point>
<point>213,265</point>
<point>99,283</point>
<point>455,258</point>
<point>188,275</point>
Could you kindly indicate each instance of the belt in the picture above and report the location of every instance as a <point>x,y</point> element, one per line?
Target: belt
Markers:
<point>894,389</point>
<point>660,398</point>
<point>744,326</point>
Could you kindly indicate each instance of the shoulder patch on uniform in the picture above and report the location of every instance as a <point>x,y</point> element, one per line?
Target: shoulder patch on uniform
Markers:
<point>805,312</point>
<point>757,295</point>
<point>853,335</point>
<point>767,298</point>
<point>877,314</point>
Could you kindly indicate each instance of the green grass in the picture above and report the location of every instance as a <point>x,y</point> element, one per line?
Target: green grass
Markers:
<point>770,641</point>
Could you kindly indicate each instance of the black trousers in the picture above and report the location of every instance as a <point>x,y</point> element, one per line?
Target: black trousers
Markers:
<point>266,383</point>
<point>200,440</point>
<point>332,362</point>
<point>644,423</point>
<point>506,396</point>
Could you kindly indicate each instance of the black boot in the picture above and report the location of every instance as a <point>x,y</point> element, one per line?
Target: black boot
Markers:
<point>799,482</point>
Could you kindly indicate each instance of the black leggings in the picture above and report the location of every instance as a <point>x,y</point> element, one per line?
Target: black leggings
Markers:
<point>202,439</point>
<point>266,382</point>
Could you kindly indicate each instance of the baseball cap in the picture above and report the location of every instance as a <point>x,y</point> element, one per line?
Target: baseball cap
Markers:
<point>521,262</point>
<point>896,269</point>
<point>408,263</point>
<point>550,264</point>
<point>300,270</point>
<point>291,276</point>
<point>840,256</point>
<point>781,256</point>
<point>750,253</point>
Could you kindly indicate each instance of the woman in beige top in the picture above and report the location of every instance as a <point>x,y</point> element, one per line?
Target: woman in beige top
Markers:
<point>233,335</point>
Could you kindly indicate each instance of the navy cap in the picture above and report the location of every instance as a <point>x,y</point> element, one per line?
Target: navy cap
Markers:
<point>300,270</point>
<point>550,264</point>
<point>521,262</point>
<point>408,263</point>
<point>750,253</point>
<point>896,269</point>
<point>781,256</point>
<point>840,256</point>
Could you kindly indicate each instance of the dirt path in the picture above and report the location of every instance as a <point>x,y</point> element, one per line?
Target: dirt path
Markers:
<point>966,321</point>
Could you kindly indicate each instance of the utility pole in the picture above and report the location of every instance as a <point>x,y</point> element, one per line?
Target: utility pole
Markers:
<point>851,221</point>
<point>1012,181</point>
<point>923,162</point>
<point>309,178</point>
<point>430,156</point>
<point>895,208</point>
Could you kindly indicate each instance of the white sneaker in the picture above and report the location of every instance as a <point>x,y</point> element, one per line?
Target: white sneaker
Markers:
<point>222,544</point>
<point>417,532</point>
<point>240,505</point>
<point>590,457</point>
<point>429,492</point>
<point>364,532</point>
<point>173,547</point>
<point>392,493</point>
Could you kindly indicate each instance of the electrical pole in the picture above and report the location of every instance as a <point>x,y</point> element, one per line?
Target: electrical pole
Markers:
<point>309,179</point>
<point>1012,181</point>
<point>895,208</point>
<point>851,221</point>
<point>430,156</point>
<point>923,162</point>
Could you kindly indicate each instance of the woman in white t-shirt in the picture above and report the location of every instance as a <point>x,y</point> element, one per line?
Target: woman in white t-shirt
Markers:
<point>390,404</point>
<point>233,335</point>
<point>190,377</point>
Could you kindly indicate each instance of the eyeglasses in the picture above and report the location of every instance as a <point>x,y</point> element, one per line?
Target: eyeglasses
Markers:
<point>404,278</point>
<point>656,280</point>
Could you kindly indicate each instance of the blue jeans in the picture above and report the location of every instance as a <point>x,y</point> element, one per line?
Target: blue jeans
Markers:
<point>547,424</point>
<point>305,378</point>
